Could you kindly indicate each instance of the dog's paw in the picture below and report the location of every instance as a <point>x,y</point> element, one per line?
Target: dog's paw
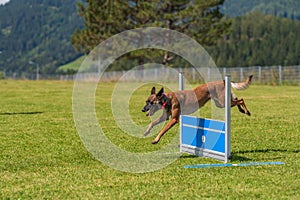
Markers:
<point>146,133</point>
<point>154,142</point>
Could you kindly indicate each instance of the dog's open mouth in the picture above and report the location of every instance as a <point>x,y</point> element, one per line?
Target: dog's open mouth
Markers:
<point>149,113</point>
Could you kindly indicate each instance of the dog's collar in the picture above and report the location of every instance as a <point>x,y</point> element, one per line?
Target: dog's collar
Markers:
<point>165,101</point>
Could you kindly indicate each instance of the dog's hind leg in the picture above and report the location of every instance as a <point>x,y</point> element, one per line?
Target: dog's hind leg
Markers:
<point>162,118</point>
<point>241,105</point>
<point>241,109</point>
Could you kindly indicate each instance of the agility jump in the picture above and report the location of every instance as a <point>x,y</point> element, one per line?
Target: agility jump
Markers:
<point>207,137</point>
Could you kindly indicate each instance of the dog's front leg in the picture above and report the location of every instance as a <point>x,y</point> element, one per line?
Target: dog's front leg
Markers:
<point>171,123</point>
<point>162,118</point>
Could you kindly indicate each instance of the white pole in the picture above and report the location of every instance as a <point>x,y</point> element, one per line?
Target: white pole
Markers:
<point>37,71</point>
<point>181,81</point>
<point>227,116</point>
<point>280,75</point>
<point>181,87</point>
<point>259,74</point>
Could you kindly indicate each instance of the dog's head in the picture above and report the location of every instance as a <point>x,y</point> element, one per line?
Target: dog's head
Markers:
<point>154,102</point>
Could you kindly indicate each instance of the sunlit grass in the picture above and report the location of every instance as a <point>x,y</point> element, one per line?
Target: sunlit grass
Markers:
<point>42,156</point>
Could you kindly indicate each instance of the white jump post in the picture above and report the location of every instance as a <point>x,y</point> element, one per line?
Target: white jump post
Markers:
<point>227,116</point>
<point>207,137</point>
<point>181,81</point>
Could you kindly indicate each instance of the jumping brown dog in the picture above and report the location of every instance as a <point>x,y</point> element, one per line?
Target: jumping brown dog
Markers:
<point>188,101</point>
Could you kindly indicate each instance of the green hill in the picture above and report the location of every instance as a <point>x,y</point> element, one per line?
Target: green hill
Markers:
<point>279,8</point>
<point>39,31</point>
<point>259,40</point>
<point>71,67</point>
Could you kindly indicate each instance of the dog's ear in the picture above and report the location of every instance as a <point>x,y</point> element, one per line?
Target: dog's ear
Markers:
<point>161,91</point>
<point>153,90</point>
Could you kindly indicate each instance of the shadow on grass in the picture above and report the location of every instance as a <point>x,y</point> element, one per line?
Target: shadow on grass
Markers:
<point>21,113</point>
<point>239,155</point>
<point>188,156</point>
<point>236,156</point>
<point>267,151</point>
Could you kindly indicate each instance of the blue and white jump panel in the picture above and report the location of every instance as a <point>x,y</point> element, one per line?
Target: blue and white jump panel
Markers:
<point>207,137</point>
<point>203,137</point>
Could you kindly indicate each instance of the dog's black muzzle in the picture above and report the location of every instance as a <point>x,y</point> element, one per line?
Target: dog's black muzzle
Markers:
<point>146,108</point>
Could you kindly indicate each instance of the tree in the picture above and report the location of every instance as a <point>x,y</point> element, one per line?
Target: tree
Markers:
<point>39,31</point>
<point>102,19</point>
<point>258,39</point>
<point>200,19</point>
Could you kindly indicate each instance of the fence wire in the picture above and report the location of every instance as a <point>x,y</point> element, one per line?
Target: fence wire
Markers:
<point>262,75</point>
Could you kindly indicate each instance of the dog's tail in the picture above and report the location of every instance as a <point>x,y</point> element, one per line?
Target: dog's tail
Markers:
<point>242,85</point>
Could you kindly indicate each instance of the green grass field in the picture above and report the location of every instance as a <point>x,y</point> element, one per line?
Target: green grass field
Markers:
<point>42,156</point>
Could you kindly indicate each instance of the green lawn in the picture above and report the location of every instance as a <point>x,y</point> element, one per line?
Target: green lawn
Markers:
<point>42,156</point>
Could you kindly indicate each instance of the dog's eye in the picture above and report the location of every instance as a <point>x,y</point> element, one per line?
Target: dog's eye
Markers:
<point>149,102</point>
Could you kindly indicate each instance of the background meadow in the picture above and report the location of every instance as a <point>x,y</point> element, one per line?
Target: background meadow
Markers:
<point>42,155</point>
